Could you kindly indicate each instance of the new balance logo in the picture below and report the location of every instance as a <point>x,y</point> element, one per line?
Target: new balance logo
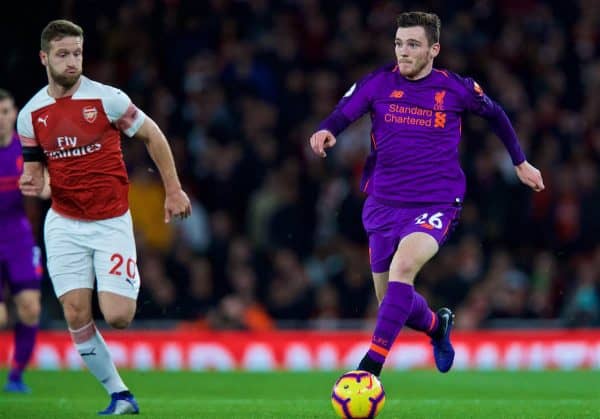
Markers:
<point>397,94</point>
<point>43,120</point>
<point>90,353</point>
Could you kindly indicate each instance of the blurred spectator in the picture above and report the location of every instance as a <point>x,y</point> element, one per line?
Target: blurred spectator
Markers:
<point>583,304</point>
<point>290,294</point>
<point>158,299</point>
<point>240,309</point>
<point>146,202</point>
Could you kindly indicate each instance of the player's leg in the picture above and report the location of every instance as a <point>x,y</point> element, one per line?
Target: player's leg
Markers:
<point>77,306</point>
<point>412,253</point>
<point>3,308</point>
<point>437,325</point>
<point>24,279</point>
<point>380,281</point>
<point>115,265</point>
<point>118,310</point>
<point>25,332</point>
<point>118,285</point>
<point>437,221</point>
<point>3,315</point>
<point>421,317</point>
<point>69,245</point>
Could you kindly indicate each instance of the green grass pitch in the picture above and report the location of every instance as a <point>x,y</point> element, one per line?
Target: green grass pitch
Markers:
<point>411,394</point>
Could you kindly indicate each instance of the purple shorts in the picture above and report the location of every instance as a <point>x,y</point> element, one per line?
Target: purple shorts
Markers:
<point>386,226</point>
<point>20,267</point>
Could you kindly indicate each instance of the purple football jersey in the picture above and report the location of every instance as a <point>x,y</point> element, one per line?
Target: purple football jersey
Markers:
<point>416,129</point>
<point>11,167</point>
<point>19,257</point>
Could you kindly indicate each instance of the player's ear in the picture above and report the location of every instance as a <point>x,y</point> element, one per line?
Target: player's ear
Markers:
<point>44,58</point>
<point>435,50</point>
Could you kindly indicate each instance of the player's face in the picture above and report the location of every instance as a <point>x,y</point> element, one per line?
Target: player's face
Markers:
<point>413,52</point>
<point>8,114</point>
<point>64,61</point>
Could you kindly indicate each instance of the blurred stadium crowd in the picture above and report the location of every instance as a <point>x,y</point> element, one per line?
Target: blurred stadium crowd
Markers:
<point>276,239</point>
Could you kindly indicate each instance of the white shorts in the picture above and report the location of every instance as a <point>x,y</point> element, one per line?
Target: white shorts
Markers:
<point>79,251</point>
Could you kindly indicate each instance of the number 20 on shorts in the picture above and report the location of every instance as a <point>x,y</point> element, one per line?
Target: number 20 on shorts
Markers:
<point>118,260</point>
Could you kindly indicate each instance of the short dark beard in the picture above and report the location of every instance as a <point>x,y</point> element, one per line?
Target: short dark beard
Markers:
<point>66,82</point>
<point>5,142</point>
<point>415,72</point>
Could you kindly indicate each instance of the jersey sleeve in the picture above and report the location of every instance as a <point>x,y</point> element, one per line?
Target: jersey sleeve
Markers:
<point>25,129</point>
<point>476,101</point>
<point>355,103</point>
<point>122,112</point>
<point>356,100</point>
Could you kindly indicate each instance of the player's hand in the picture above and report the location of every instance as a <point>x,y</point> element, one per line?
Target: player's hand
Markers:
<point>321,140</point>
<point>31,185</point>
<point>177,205</point>
<point>530,176</point>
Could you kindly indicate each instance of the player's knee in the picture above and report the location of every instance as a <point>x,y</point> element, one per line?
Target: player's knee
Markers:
<point>77,315</point>
<point>3,316</point>
<point>29,311</point>
<point>118,320</point>
<point>404,270</point>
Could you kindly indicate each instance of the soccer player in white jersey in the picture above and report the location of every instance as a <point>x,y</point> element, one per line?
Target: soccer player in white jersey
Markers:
<point>72,126</point>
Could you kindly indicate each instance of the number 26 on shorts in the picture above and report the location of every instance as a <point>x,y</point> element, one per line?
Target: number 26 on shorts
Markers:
<point>430,222</point>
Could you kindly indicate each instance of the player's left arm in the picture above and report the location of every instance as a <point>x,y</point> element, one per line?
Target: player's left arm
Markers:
<point>134,123</point>
<point>481,104</point>
<point>177,203</point>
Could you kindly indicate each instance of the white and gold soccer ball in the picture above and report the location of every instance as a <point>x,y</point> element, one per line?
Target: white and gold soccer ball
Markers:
<point>357,394</point>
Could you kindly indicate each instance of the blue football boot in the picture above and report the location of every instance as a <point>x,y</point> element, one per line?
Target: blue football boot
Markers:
<point>122,403</point>
<point>443,352</point>
<point>16,387</point>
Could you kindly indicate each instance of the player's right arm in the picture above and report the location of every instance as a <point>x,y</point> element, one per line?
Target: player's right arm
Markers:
<point>353,105</point>
<point>321,140</point>
<point>46,190</point>
<point>32,182</point>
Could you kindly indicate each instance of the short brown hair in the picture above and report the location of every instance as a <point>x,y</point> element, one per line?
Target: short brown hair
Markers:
<point>58,29</point>
<point>429,21</point>
<point>5,94</point>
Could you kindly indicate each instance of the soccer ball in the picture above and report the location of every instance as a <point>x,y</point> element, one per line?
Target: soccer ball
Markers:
<point>357,394</point>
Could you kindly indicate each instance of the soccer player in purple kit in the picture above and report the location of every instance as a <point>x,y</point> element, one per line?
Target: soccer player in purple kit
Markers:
<point>19,256</point>
<point>412,177</point>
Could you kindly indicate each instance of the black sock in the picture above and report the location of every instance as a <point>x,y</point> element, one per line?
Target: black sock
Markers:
<point>370,365</point>
<point>125,393</point>
<point>439,332</point>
